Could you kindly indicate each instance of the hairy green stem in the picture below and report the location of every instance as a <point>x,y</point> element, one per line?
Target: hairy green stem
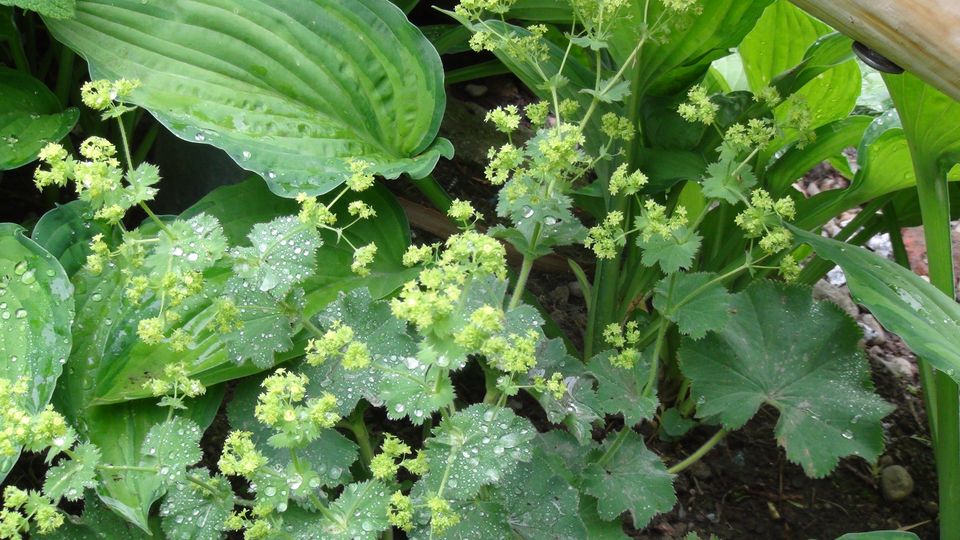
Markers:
<point>358,427</point>
<point>525,268</point>
<point>702,451</point>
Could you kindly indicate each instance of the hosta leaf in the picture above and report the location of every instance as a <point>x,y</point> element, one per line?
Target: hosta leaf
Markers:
<point>782,349</point>
<point>330,455</point>
<point>475,447</point>
<point>361,512</point>
<point>99,523</point>
<point>192,513</point>
<point>36,311</point>
<point>281,255</point>
<point>274,83</point>
<point>66,232</point>
<point>620,390</point>
<point>72,476</point>
<point>632,478</point>
<point>673,253</point>
<point>694,301</point>
<point>30,117</point>
<point>57,9</point>
<point>265,327</point>
<point>173,446</point>
<point>903,302</point>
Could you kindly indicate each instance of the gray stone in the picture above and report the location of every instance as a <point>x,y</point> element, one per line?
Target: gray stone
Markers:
<point>873,333</point>
<point>826,291</point>
<point>896,483</point>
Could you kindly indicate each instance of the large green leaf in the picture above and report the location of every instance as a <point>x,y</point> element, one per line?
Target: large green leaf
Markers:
<point>30,117</point>
<point>629,477</point>
<point>36,311</point>
<point>782,349</point>
<point>66,232</point>
<point>130,361</point>
<point>291,89</point>
<point>58,9</point>
<point>926,319</point>
<point>685,53</point>
<point>779,42</point>
<point>99,523</point>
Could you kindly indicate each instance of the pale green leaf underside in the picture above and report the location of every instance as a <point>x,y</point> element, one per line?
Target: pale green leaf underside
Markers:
<point>36,311</point>
<point>782,349</point>
<point>291,89</point>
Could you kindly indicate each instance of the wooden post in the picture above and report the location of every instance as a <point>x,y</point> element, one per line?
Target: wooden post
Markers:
<point>921,36</point>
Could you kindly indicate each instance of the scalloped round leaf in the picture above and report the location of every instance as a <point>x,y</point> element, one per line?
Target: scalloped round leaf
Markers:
<point>476,446</point>
<point>36,313</point>
<point>274,83</point>
<point>189,512</point>
<point>633,479</point>
<point>361,512</point>
<point>694,301</point>
<point>30,117</point>
<point>173,446</point>
<point>281,255</point>
<point>72,476</point>
<point>621,390</point>
<point>801,357</point>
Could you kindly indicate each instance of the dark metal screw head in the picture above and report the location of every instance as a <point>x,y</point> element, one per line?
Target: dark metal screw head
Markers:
<point>876,60</point>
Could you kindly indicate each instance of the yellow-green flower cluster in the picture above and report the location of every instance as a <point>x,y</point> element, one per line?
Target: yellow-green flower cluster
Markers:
<point>315,213</point>
<point>176,381</point>
<point>626,183</point>
<point>476,9</point>
<point>436,291</point>
<point>360,178</point>
<point>617,127</point>
<point>361,210</point>
<point>419,254</point>
<point>20,506</point>
<point>240,456</point>
<point>99,95</point>
<point>485,322</point>
<point>789,268</point>
<point>680,6</point>
<point>554,385</point>
<point>625,341</point>
<point>462,211</point>
<point>417,465</point>
<point>338,341</point>
<point>653,220</point>
<point>512,353</point>
<point>99,254</point>
<point>698,107</point>
<point>769,96</point>
<point>506,119</point>
<point>442,516</point>
<point>756,134</point>
<point>363,257</point>
<point>537,112</point>
<point>384,465</point>
<point>19,428</point>
<point>764,219</point>
<point>606,238</point>
<point>400,511</point>
<point>800,119</point>
<point>597,16</point>
<point>278,405</point>
<point>501,163</point>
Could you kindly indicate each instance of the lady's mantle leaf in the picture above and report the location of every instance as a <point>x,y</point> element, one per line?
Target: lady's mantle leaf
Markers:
<point>475,447</point>
<point>621,390</point>
<point>632,479</point>
<point>72,476</point>
<point>264,327</point>
<point>693,302</point>
<point>193,513</point>
<point>173,446</point>
<point>361,512</point>
<point>782,349</point>
<point>281,255</point>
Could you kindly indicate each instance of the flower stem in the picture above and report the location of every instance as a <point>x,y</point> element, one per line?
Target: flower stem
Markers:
<point>702,451</point>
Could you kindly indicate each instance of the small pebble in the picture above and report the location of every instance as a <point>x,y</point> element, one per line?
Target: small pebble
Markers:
<point>824,290</point>
<point>873,333</point>
<point>701,470</point>
<point>931,508</point>
<point>575,290</point>
<point>896,483</point>
<point>475,90</point>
